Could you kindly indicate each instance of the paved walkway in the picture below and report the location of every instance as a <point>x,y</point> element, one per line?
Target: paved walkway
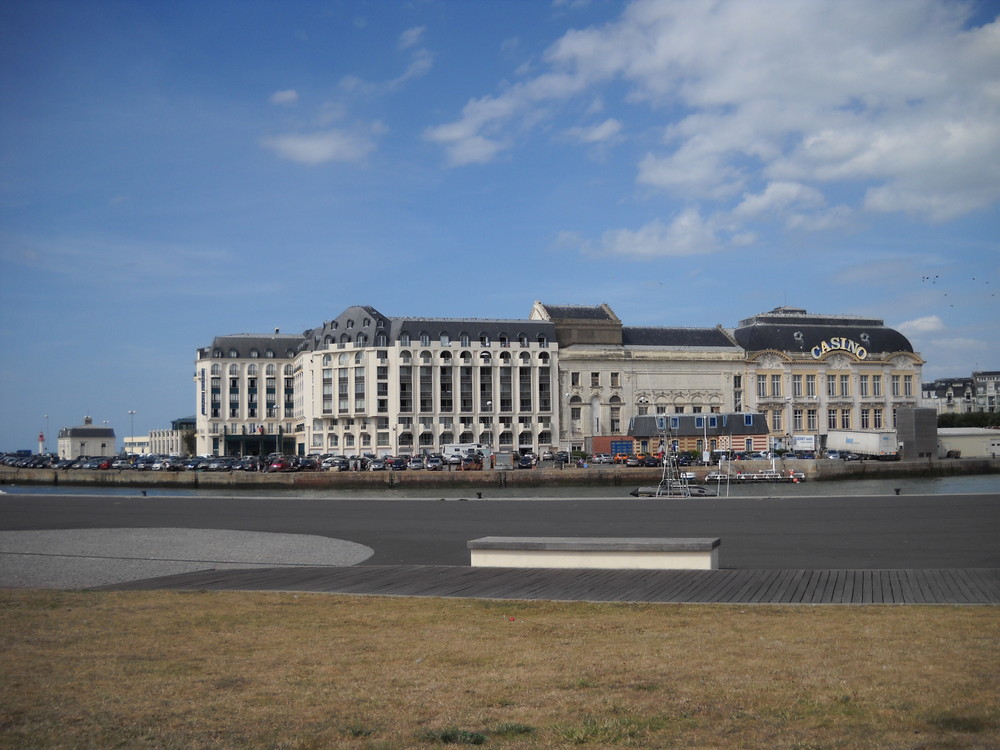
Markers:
<point>959,586</point>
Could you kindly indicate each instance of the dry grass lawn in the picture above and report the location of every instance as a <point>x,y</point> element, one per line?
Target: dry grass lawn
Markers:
<point>280,670</point>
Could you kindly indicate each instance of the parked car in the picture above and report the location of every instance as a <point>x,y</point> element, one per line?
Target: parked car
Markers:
<point>281,463</point>
<point>472,463</point>
<point>434,463</point>
<point>835,455</point>
<point>632,461</point>
<point>414,464</point>
<point>398,464</point>
<point>548,455</point>
<point>376,464</point>
<point>651,461</point>
<point>600,458</point>
<point>307,464</point>
<point>525,462</point>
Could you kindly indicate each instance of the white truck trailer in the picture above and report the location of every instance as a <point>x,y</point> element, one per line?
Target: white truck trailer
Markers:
<point>881,445</point>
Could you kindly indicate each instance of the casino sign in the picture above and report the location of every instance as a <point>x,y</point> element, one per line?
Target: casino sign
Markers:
<point>839,343</point>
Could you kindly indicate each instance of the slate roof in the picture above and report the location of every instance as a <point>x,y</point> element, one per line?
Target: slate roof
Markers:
<point>793,329</point>
<point>695,338</point>
<point>367,321</point>
<point>87,430</point>
<point>580,312</point>
<point>283,345</point>
<point>647,425</point>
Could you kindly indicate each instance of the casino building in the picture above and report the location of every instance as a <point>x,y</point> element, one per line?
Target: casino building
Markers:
<point>814,373</point>
<point>568,377</point>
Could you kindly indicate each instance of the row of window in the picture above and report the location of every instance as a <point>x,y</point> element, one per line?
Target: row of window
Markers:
<point>807,420</point>
<point>405,440</point>
<point>837,385</point>
<point>251,369</point>
<point>427,358</point>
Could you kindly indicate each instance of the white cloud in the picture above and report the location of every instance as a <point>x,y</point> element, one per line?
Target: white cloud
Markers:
<point>926,324</point>
<point>321,147</point>
<point>411,37</point>
<point>288,96</point>
<point>687,234</point>
<point>779,197</point>
<point>600,133</point>
<point>898,103</point>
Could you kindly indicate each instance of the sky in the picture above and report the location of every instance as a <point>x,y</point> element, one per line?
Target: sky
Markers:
<point>171,171</point>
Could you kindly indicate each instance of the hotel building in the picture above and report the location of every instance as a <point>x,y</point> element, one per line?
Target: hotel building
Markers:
<point>568,377</point>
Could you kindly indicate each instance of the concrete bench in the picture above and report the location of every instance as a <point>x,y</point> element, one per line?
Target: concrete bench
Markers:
<point>594,552</point>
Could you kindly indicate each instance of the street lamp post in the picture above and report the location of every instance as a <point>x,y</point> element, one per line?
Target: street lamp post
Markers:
<point>131,429</point>
<point>46,447</point>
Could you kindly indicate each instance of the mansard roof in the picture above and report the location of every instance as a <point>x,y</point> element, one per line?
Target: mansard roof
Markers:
<point>282,345</point>
<point>578,312</point>
<point>693,338</point>
<point>794,330</point>
<point>367,322</point>
<point>687,425</point>
<point>87,430</point>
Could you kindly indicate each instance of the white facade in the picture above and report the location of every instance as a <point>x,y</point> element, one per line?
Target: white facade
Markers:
<point>366,383</point>
<point>568,377</point>
<point>86,440</point>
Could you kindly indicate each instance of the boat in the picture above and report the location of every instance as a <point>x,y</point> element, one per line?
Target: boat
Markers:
<point>770,475</point>
<point>674,483</point>
<point>674,488</point>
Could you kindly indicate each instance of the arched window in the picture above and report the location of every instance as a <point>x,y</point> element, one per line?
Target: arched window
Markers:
<point>216,370</point>
<point>522,339</point>
<point>444,338</point>
<point>217,353</point>
<point>288,370</point>
<point>234,369</point>
<point>425,338</point>
<point>254,354</point>
<point>359,358</point>
<point>381,339</point>
<point>525,358</point>
<point>464,339</point>
<point>362,340</point>
<point>271,370</point>
<point>233,354</point>
<point>327,360</point>
<point>342,360</point>
<point>269,354</point>
<point>543,358</point>
<point>446,357</point>
<point>404,358</point>
<point>425,358</point>
<point>252,370</point>
<point>404,338</point>
<point>503,339</point>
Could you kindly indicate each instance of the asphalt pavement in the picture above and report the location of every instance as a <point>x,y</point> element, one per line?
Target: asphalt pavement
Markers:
<point>94,540</point>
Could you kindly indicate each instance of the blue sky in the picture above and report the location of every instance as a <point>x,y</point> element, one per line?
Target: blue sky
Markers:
<point>173,171</point>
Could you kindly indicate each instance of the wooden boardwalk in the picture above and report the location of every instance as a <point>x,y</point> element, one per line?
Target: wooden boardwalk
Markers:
<point>911,586</point>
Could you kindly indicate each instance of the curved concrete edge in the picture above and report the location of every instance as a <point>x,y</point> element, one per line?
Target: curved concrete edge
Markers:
<point>86,558</point>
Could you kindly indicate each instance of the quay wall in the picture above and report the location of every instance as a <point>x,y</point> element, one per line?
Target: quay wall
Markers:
<point>596,475</point>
